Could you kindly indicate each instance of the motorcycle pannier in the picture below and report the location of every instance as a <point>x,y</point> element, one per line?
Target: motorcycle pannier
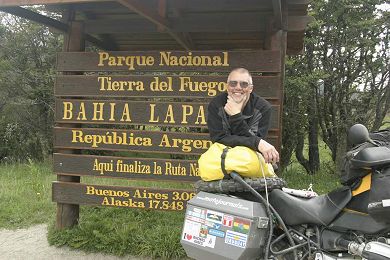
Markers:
<point>348,174</point>
<point>379,198</point>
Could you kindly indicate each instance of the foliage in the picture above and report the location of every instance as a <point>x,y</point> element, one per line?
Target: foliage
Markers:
<point>27,56</point>
<point>342,78</point>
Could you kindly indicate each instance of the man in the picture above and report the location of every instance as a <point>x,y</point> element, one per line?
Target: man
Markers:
<point>240,117</point>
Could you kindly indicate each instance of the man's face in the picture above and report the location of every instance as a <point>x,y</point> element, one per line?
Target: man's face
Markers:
<point>239,93</point>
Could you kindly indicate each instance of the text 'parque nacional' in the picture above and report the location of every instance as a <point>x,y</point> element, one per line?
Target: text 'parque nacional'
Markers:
<point>165,58</point>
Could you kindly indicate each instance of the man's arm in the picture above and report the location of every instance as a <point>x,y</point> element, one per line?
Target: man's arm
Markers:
<point>269,152</point>
<point>238,125</point>
<point>239,135</point>
<point>264,123</point>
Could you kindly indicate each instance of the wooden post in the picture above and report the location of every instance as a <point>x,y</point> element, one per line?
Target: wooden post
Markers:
<point>276,39</point>
<point>68,214</point>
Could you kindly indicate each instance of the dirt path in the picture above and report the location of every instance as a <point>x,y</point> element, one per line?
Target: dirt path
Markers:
<point>32,243</point>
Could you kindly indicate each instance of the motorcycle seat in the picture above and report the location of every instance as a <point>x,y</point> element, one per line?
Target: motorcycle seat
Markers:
<point>372,157</point>
<point>319,210</point>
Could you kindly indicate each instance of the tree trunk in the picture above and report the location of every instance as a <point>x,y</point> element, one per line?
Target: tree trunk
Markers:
<point>341,149</point>
<point>314,155</point>
<point>299,153</point>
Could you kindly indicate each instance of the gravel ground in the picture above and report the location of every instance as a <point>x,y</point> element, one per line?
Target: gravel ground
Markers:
<point>32,243</point>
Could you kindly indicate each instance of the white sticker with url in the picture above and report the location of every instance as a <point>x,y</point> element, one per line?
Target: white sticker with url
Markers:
<point>386,203</point>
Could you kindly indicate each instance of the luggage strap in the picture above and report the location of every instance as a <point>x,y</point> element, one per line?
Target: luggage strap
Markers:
<point>223,156</point>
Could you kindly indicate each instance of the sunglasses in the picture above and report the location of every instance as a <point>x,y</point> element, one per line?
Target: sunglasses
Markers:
<point>243,84</point>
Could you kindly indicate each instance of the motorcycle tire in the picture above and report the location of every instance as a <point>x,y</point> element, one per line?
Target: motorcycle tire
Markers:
<point>228,186</point>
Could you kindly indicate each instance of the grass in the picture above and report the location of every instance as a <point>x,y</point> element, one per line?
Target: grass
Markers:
<point>322,182</point>
<point>122,231</point>
<point>25,191</point>
<point>25,194</point>
<point>386,122</point>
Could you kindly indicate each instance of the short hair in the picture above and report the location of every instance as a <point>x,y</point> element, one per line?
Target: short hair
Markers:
<point>242,71</point>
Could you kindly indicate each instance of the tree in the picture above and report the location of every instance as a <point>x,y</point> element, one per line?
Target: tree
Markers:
<point>27,56</point>
<point>344,74</point>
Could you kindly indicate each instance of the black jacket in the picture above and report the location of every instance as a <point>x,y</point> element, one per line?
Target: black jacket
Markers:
<point>246,128</point>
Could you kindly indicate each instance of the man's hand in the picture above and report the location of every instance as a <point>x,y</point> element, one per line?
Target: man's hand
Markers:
<point>232,107</point>
<point>268,151</point>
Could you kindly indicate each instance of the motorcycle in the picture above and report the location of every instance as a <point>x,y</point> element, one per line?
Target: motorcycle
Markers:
<point>240,218</point>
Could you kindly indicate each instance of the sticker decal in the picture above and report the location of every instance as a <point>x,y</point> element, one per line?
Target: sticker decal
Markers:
<point>217,226</point>
<point>210,241</point>
<point>236,239</point>
<point>213,225</point>
<point>197,233</point>
<point>199,213</point>
<point>191,230</point>
<point>199,220</point>
<point>214,216</point>
<point>209,223</point>
<point>188,213</point>
<point>198,240</point>
<point>241,225</point>
<point>194,239</point>
<point>204,230</point>
<point>217,233</point>
<point>227,221</point>
<point>187,237</point>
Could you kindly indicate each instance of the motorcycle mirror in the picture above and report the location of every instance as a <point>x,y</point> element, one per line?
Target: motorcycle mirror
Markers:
<point>358,134</point>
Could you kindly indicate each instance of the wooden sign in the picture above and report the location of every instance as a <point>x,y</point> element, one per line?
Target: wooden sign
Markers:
<point>131,140</point>
<point>156,86</point>
<point>134,140</point>
<point>138,113</point>
<point>260,61</point>
<point>126,167</point>
<point>124,197</point>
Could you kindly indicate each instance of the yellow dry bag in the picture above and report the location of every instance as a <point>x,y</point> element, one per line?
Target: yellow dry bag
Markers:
<point>240,159</point>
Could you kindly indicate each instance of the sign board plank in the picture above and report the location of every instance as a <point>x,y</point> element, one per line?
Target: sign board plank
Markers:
<point>124,197</point>
<point>126,167</point>
<point>131,140</point>
<point>157,86</point>
<point>135,140</point>
<point>44,2</point>
<point>138,113</point>
<point>224,61</point>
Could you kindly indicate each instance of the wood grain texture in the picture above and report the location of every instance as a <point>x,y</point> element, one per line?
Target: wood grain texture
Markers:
<point>135,140</point>
<point>184,114</point>
<point>125,197</point>
<point>147,86</point>
<point>127,167</point>
<point>259,61</point>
